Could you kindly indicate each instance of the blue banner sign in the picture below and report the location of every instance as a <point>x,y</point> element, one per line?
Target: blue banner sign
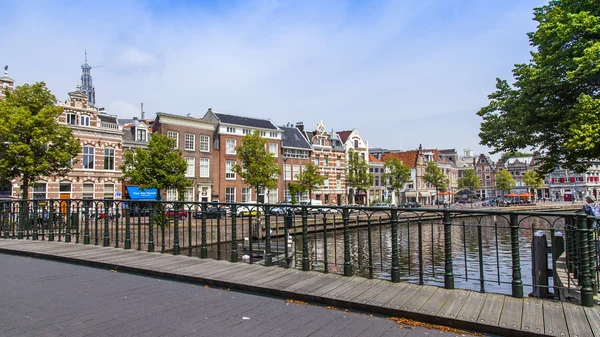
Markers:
<point>136,193</point>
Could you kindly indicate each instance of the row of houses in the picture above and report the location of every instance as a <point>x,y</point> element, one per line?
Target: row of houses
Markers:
<point>208,144</point>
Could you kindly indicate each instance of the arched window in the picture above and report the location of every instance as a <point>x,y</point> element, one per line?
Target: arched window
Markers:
<point>88,157</point>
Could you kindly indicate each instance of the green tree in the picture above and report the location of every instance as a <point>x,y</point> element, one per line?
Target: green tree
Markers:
<point>295,189</point>
<point>310,178</point>
<point>395,175</point>
<point>505,181</point>
<point>435,177</point>
<point>469,181</point>
<point>533,180</point>
<point>358,176</point>
<point>258,168</point>
<point>32,142</point>
<point>554,104</point>
<point>161,166</point>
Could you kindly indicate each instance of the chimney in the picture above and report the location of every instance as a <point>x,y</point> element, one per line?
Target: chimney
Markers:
<point>142,115</point>
<point>300,126</point>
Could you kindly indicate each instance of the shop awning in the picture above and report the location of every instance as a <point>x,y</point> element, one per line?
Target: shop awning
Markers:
<point>136,193</point>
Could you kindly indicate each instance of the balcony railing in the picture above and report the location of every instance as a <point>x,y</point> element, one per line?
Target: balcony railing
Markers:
<point>484,250</point>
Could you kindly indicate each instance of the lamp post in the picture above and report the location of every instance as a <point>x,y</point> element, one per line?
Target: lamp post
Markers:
<point>284,178</point>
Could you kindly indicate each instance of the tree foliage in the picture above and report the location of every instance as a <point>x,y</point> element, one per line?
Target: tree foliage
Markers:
<point>469,180</point>
<point>396,175</point>
<point>358,176</point>
<point>259,167</point>
<point>505,181</point>
<point>435,177</point>
<point>533,180</point>
<point>554,103</point>
<point>32,142</point>
<point>310,178</point>
<point>161,166</point>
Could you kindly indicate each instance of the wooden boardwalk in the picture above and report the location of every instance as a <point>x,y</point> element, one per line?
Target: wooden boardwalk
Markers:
<point>488,313</point>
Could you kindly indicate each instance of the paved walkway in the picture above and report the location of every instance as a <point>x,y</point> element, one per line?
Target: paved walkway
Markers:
<point>47,298</point>
<point>489,313</point>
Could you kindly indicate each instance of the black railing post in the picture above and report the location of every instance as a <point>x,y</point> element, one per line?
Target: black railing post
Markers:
<point>592,253</point>
<point>517,282</point>
<point>203,249</point>
<point>34,236</point>
<point>234,252</point>
<point>106,239</point>
<point>420,246</point>
<point>22,219</point>
<point>305,260</point>
<point>395,257</point>
<point>347,259</point>
<point>68,221</point>
<point>268,257</point>
<point>587,296</point>
<point>86,225</point>
<point>448,272</point>
<point>286,232</point>
<point>152,217</point>
<point>51,221</point>
<point>128,226</point>
<point>176,229</point>
<point>325,252</point>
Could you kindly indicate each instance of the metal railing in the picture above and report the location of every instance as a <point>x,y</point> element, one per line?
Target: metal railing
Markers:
<point>484,250</point>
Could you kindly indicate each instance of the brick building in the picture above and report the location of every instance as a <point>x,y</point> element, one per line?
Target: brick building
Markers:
<point>296,154</point>
<point>229,132</point>
<point>194,138</point>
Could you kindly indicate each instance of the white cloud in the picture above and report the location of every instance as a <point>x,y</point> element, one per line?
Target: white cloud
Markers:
<point>390,69</point>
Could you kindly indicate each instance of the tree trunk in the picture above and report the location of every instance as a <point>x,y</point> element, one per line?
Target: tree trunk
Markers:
<point>437,198</point>
<point>25,188</point>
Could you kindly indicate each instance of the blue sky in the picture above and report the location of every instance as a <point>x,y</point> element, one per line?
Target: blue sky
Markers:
<point>403,72</point>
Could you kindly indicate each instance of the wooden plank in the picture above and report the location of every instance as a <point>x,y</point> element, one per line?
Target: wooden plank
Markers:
<point>577,321</point>
<point>403,296</point>
<point>512,311</point>
<point>420,298</point>
<point>359,289</point>
<point>340,281</point>
<point>593,315</point>
<point>492,307</point>
<point>533,315</point>
<point>268,274</point>
<point>374,291</point>
<point>286,281</point>
<point>309,288</point>
<point>317,278</point>
<point>388,294</point>
<point>436,302</point>
<point>351,282</point>
<point>454,303</point>
<point>178,264</point>
<point>554,319</point>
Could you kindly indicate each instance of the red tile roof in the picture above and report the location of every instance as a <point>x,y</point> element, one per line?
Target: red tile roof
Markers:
<point>408,158</point>
<point>344,135</point>
<point>374,159</point>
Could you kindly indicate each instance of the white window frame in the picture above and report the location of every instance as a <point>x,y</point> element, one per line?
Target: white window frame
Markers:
<point>204,143</point>
<point>246,131</point>
<point>84,120</point>
<point>109,156</point>
<point>190,171</point>
<point>295,172</point>
<point>246,194</point>
<point>93,155</point>
<point>229,173</point>
<point>188,194</point>
<point>189,142</point>
<point>230,129</point>
<point>204,163</point>
<point>230,145</point>
<point>71,118</point>
<point>141,135</point>
<point>228,195</point>
<point>274,149</point>
<point>174,135</point>
<point>287,172</point>
<point>171,194</point>
<point>37,193</point>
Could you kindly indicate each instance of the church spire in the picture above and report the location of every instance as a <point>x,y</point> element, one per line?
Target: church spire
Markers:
<point>86,82</point>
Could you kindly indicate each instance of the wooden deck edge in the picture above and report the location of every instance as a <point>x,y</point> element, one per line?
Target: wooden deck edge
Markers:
<point>345,304</point>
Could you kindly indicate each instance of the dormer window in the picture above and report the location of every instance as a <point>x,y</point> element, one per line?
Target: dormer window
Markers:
<point>71,119</point>
<point>84,120</point>
<point>230,130</point>
<point>141,135</point>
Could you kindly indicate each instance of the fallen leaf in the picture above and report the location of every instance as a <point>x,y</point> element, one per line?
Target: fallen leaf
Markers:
<point>405,321</point>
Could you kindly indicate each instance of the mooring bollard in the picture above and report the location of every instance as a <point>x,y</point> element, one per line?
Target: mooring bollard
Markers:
<point>539,270</point>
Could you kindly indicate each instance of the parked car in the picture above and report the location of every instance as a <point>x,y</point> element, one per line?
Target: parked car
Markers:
<point>490,202</point>
<point>248,210</point>
<point>211,213</point>
<point>331,209</point>
<point>381,204</point>
<point>182,214</point>
<point>412,204</point>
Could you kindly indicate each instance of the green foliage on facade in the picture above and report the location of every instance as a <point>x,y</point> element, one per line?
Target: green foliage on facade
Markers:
<point>160,166</point>
<point>505,181</point>
<point>533,180</point>
<point>358,176</point>
<point>259,167</point>
<point>396,175</point>
<point>469,180</point>
<point>554,103</point>
<point>435,177</point>
<point>32,142</point>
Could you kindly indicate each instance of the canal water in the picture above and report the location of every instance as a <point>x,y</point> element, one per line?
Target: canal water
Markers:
<point>488,259</point>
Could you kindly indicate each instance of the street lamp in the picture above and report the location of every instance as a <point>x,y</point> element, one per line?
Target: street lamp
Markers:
<point>285,179</point>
